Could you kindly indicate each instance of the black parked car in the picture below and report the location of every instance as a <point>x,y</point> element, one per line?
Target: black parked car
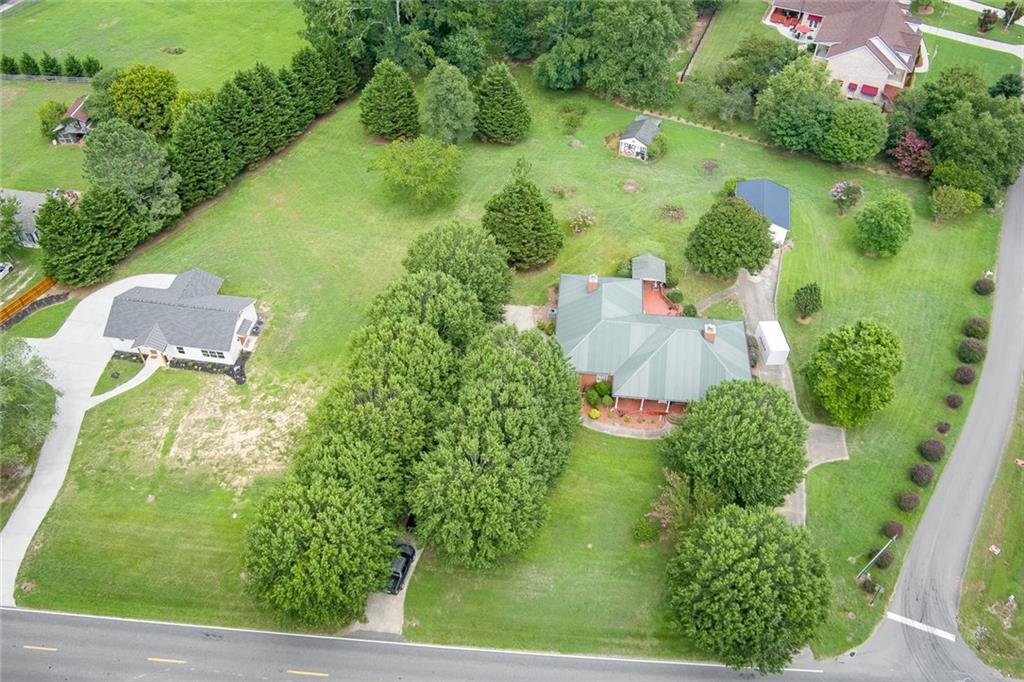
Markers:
<point>400,567</point>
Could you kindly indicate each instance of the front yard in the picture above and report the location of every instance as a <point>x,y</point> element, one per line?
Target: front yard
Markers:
<point>945,53</point>
<point>955,18</point>
<point>585,585</point>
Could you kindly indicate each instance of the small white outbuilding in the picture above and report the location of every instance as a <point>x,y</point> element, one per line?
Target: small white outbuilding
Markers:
<point>772,342</point>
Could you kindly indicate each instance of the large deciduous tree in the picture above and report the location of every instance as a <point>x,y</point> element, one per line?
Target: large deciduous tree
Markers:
<point>729,236</point>
<point>795,109</point>
<point>50,116</point>
<point>885,224</point>
<point>856,134</point>
<point>100,106</point>
<point>853,369</point>
<point>10,228</point>
<point>502,115</point>
<point>27,402</point>
<point>143,95</point>
<point>745,440</point>
<point>388,107</point>
<point>435,299</point>
<point>449,112</point>
<point>520,219</point>
<point>121,156</point>
<point>748,588</point>
<point>425,166</point>
<point>467,51</point>
<point>470,255</point>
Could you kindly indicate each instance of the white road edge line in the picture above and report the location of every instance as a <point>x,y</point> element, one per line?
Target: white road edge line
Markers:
<point>920,626</point>
<point>414,645</point>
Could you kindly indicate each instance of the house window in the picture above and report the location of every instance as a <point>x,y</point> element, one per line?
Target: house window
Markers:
<point>212,354</point>
<point>181,351</point>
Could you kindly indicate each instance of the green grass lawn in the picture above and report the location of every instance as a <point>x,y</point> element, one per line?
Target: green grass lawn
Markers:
<point>955,18</point>
<point>945,53</point>
<point>124,369</point>
<point>30,162</point>
<point>585,585</point>
<point>44,323</point>
<point>218,36</point>
<point>313,237</point>
<point>736,19</point>
<point>729,309</point>
<point>992,579</point>
<point>27,271</point>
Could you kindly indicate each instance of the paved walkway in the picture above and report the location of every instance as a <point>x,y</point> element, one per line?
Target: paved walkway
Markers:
<point>77,354</point>
<point>625,432</point>
<point>757,295</point>
<point>1017,50</point>
<point>146,372</point>
<point>385,613</point>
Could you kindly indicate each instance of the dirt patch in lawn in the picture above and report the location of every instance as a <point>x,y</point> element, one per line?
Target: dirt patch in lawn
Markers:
<point>631,187</point>
<point>672,213</point>
<point>236,434</point>
<point>8,95</point>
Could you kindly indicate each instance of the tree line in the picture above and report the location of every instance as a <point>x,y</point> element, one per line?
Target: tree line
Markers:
<point>438,412</point>
<point>48,65</point>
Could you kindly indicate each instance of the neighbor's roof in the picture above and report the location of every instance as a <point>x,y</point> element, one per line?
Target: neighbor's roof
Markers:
<point>643,128</point>
<point>190,312</point>
<point>77,111</point>
<point>28,206</point>
<point>885,27</point>
<point>768,198</point>
<point>656,357</point>
<point>649,267</point>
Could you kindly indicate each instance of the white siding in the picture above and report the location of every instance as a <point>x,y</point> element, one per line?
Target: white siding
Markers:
<point>633,148</point>
<point>196,354</point>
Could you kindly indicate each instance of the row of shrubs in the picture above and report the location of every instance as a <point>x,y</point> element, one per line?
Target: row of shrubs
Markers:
<point>971,351</point>
<point>48,65</point>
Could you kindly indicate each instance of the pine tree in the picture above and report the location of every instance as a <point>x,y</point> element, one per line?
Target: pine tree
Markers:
<point>253,135</point>
<point>521,221</point>
<point>312,73</point>
<point>197,154</point>
<point>90,66</point>
<point>8,64</point>
<point>49,65</point>
<point>388,105</point>
<point>279,109</point>
<point>448,107</point>
<point>71,66</point>
<point>28,65</point>
<point>502,115</point>
<point>232,108</point>
<point>108,212</point>
<point>72,252</point>
<point>300,102</point>
<point>339,65</point>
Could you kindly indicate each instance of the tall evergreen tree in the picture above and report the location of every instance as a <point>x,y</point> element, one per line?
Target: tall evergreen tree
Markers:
<point>339,65</point>
<point>280,113</point>
<point>318,89</point>
<point>8,64</point>
<point>502,115</point>
<point>73,253</point>
<point>232,106</point>
<point>198,155</point>
<point>448,107</point>
<point>71,66</point>
<point>109,213</point>
<point>520,219</point>
<point>388,105</point>
<point>512,29</point>
<point>90,66</point>
<point>49,65</point>
<point>300,102</point>
<point>28,65</point>
<point>254,137</point>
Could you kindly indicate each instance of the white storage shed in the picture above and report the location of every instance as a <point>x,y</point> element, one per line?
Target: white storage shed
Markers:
<point>772,342</point>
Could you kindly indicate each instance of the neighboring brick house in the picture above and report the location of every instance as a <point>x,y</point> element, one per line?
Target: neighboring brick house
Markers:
<point>871,47</point>
<point>75,125</point>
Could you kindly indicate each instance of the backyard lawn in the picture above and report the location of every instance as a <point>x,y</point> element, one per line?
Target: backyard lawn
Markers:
<point>736,19</point>
<point>217,36</point>
<point>313,237</point>
<point>987,621</point>
<point>945,53</point>
<point>585,585</point>
<point>955,18</point>
<point>116,373</point>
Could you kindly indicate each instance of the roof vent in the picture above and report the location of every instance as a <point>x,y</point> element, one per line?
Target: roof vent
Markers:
<point>710,332</point>
<point>591,284</point>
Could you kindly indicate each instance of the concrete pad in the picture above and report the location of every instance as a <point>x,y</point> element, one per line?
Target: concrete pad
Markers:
<point>520,316</point>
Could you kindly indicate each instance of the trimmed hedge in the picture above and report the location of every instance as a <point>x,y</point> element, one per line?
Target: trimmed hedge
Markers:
<point>922,474</point>
<point>984,286</point>
<point>932,450</point>
<point>972,350</point>
<point>908,501</point>
<point>976,328</point>
<point>964,375</point>
<point>954,400</point>
<point>892,529</point>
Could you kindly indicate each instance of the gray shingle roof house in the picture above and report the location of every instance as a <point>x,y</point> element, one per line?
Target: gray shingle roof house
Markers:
<point>771,200</point>
<point>187,320</point>
<point>648,267</point>
<point>28,206</point>
<point>604,332</point>
<point>639,136</point>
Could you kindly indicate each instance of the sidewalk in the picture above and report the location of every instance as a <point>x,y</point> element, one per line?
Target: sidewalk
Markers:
<point>1017,50</point>
<point>980,7</point>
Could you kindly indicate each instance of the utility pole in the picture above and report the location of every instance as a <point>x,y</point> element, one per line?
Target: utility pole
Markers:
<point>875,558</point>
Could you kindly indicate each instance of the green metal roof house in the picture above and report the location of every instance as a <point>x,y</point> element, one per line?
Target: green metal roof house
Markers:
<point>604,331</point>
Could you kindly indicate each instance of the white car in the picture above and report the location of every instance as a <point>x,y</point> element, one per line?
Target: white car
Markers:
<point>5,268</point>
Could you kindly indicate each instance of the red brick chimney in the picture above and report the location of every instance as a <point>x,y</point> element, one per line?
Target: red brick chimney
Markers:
<point>591,284</point>
<point>710,332</point>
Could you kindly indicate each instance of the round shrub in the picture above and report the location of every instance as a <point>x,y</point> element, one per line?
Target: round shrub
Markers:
<point>954,400</point>
<point>594,413</point>
<point>922,474</point>
<point>943,427</point>
<point>603,388</point>
<point>593,399</point>
<point>976,328</point>
<point>675,296</point>
<point>984,286</point>
<point>884,559</point>
<point>690,310</point>
<point>868,585</point>
<point>964,375</point>
<point>645,529</point>
<point>892,529</point>
<point>971,350</point>
<point>908,501</point>
<point>932,450</point>
<point>607,400</point>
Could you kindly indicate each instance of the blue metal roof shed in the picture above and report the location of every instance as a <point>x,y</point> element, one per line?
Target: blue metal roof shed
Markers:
<point>768,198</point>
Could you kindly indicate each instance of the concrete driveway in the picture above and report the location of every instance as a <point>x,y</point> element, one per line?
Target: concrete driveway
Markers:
<point>77,354</point>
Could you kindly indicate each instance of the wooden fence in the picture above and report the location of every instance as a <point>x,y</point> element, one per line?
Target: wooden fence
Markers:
<point>44,79</point>
<point>25,298</point>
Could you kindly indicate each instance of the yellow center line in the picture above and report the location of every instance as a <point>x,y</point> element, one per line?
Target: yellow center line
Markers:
<point>176,661</point>
<point>31,647</point>
<point>306,672</point>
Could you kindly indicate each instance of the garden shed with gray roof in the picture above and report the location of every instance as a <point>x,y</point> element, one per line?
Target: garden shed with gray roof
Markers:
<point>636,139</point>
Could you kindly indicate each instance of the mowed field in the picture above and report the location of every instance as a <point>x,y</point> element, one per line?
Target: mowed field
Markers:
<point>945,53</point>
<point>313,237</point>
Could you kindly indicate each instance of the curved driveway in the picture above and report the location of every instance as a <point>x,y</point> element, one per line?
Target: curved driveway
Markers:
<point>77,354</point>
